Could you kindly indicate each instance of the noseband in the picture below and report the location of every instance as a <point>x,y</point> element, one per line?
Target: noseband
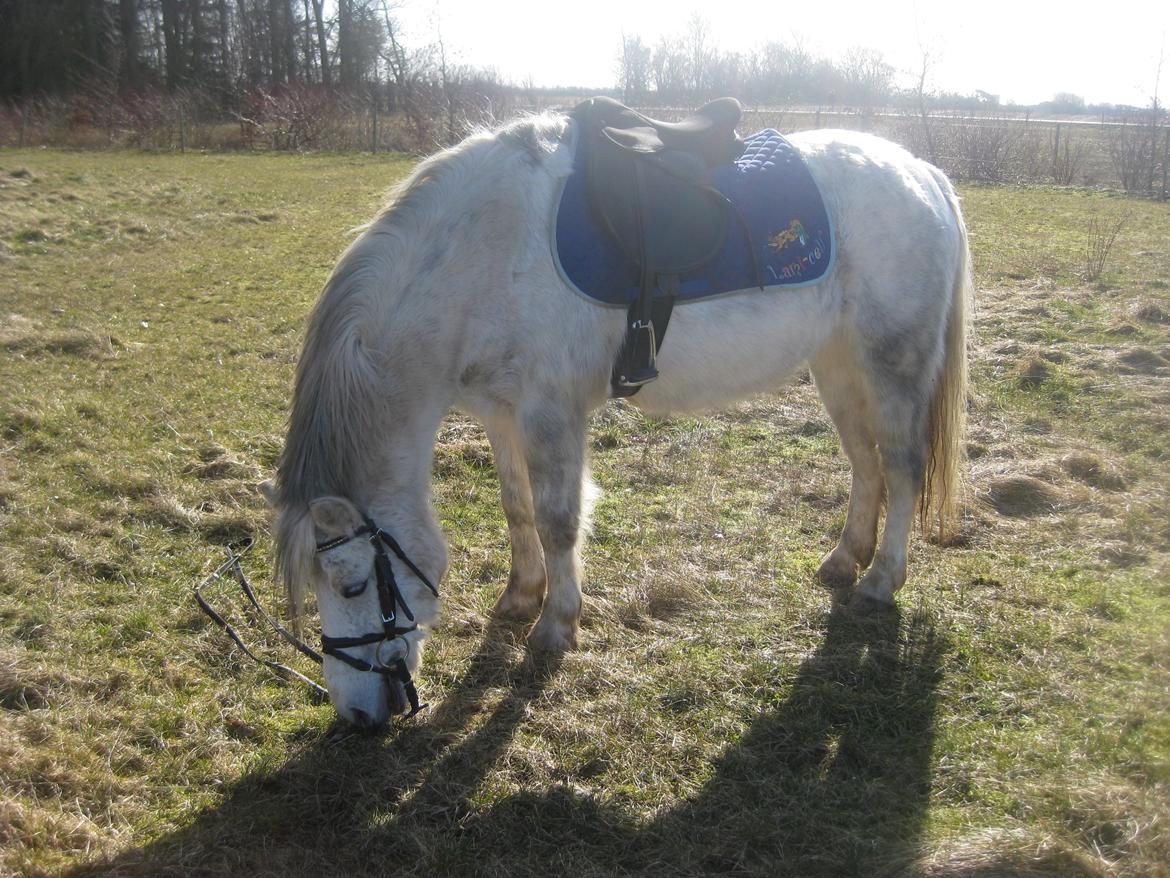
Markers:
<point>393,647</point>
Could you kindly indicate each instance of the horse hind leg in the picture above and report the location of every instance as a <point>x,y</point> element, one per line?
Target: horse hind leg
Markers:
<point>835,373</point>
<point>901,426</point>
<point>526,580</point>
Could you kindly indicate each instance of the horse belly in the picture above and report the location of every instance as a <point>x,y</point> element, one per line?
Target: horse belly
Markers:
<point>721,350</point>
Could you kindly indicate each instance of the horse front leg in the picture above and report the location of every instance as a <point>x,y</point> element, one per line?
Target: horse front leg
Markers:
<point>554,448</point>
<point>526,581</point>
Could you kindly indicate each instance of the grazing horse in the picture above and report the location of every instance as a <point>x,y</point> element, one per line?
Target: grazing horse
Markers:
<point>450,298</point>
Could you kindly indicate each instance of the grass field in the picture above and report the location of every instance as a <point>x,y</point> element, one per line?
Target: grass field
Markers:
<point>725,716</point>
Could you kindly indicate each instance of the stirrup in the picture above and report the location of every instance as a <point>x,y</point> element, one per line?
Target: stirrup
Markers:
<point>642,371</point>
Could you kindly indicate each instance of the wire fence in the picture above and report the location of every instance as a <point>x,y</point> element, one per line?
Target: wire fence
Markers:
<point>1130,153</point>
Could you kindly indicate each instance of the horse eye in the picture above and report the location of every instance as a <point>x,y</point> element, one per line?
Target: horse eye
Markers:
<point>354,589</point>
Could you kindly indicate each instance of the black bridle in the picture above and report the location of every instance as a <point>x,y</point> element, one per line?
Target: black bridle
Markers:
<point>393,647</point>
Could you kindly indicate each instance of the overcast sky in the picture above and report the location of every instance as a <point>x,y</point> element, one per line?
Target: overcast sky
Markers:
<point>1104,51</point>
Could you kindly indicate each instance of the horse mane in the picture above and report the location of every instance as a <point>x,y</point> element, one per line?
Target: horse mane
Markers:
<point>338,386</point>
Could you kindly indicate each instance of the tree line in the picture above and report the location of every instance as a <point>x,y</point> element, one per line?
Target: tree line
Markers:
<point>294,73</point>
<point>337,74</point>
<point>778,73</point>
<point>224,47</point>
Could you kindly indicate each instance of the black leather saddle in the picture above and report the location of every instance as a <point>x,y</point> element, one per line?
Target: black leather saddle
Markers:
<point>648,183</point>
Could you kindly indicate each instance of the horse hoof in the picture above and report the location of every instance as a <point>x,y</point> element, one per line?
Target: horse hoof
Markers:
<point>866,604</point>
<point>517,607</point>
<point>552,639</point>
<point>837,572</point>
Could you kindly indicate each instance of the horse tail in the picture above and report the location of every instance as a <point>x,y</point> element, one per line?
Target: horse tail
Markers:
<point>942,486</point>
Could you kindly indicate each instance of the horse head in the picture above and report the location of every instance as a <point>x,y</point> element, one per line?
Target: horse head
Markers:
<point>376,603</point>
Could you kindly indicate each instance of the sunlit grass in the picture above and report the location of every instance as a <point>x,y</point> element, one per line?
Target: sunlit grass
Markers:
<point>723,715</point>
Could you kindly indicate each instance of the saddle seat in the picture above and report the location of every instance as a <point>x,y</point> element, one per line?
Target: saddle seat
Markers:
<point>649,181</point>
<point>709,132</point>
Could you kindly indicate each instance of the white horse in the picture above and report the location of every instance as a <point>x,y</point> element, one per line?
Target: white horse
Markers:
<point>450,298</point>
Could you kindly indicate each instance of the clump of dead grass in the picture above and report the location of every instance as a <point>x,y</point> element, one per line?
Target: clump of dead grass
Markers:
<point>1034,372</point>
<point>657,599</point>
<point>25,337</point>
<point>29,685</point>
<point>228,526</point>
<point>1151,311</point>
<point>1092,470</point>
<point>217,462</point>
<point>169,512</point>
<point>1142,360</point>
<point>1021,496</point>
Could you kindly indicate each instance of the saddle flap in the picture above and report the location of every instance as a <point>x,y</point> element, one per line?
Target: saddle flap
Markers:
<point>660,210</point>
<point>659,207</point>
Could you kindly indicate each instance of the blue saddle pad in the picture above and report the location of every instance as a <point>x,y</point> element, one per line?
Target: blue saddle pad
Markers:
<point>778,214</point>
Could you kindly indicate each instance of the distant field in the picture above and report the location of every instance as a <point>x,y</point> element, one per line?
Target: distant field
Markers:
<point>724,716</point>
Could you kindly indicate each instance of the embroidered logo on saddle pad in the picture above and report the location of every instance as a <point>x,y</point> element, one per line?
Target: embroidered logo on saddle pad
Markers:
<point>779,233</point>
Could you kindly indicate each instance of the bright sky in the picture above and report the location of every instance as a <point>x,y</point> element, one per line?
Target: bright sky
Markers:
<point>1104,50</point>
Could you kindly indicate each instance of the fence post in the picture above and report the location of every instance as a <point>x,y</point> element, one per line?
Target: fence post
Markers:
<point>182,130</point>
<point>1165,160</point>
<point>1056,155</point>
<point>374,121</point>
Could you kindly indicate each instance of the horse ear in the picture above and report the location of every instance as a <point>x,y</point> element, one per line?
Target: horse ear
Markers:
<point>335,515</point>
<point>267,489</point>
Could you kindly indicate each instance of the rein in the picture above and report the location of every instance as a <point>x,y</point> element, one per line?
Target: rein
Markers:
<point>232,566</point>
<point>393,648</point>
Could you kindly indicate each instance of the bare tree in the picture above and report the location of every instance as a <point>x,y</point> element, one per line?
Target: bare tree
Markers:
<point>634,65</point>
<point>669,67</point>
<point>867,76</point>
<point>923,114</point>
<point>322,42</point>
<point>698,53</point>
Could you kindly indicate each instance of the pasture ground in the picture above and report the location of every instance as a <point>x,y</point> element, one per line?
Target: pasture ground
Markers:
<point>724,716</point>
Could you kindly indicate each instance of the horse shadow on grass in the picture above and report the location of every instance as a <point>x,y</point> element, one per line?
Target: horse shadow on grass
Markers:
<point>834,781</point>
